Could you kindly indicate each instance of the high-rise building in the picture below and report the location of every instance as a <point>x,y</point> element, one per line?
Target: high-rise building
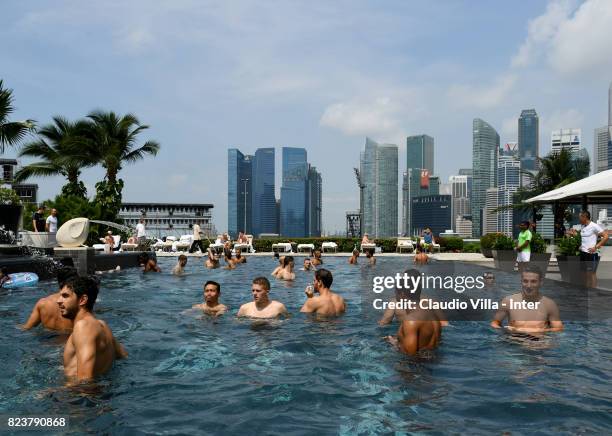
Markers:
<point>432,211</point>
<point>484,165</point>
<point>314,202</point>
<point>239,191</point>
<point>263,199</point>
<point>463,227</point>
<point>600,149</point>
<point>565,139</point>
<point>466,172</point>
<point>508,182</point>
<point>461,187</point>
<point>529,139</point>
<point>294,198</point>
<point>420,152</point>
<point>379,177</point>
<point>489,214</point>
<point>417,179</point>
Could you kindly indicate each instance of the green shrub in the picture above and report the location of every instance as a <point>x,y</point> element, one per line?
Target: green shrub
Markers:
<point>503,242</point>
<point>472,247</point>
<point>451,243</point>
<point>345,245</point>
<point>488,241</point>
<point>8,196</point>
<point>569,245</point>
<point>538,245</point>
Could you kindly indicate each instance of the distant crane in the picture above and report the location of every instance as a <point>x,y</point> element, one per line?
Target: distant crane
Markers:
<point>361,188</point>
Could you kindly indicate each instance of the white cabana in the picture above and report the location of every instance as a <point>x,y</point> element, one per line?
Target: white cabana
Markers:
<point>596,189</point>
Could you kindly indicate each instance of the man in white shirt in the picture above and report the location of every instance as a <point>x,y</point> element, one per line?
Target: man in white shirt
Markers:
<point>141,233</point>
<point>589,258</point>
<point>51,224</point>
<point>197,239</point>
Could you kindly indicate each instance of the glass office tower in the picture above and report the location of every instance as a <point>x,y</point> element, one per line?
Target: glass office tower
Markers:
<point>529,139</point>
<point>263,201</point>
<point>484,165</point>
<point>293,212</point>
<point>239,201</point>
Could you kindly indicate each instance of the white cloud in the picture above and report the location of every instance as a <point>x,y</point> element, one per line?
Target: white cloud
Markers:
<point>482,97</point>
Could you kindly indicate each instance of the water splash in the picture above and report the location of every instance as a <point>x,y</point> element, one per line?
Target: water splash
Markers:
<point>114,225</point>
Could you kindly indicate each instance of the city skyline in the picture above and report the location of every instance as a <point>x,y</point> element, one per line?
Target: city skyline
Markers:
<point>268,75</point>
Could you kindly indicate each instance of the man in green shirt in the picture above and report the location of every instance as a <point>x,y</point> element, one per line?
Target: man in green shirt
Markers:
<point>523,246</point>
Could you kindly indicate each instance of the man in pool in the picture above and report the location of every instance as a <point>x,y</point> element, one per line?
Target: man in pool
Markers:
<point>287,273</point>
<point>280,267</point>
<point>353,259</point>
<point>91,349</point>
<point>317,258</point>
<point>262,306</point>
<point>46,312</point>
<point>211,305</point>
<point>327,303</point>
<point>307,265</point>
<point>420,258</point>
<point>180,266</point>
<point>370,256</point>
<point>212,261</point>
<point>529,311</point>
<point>239,257</point>
<point>151,266</point>
<point>420,329</point>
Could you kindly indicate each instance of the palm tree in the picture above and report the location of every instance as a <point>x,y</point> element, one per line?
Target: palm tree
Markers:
<point>57,148</point>
<point>10,132</point>
<point>113,143</point>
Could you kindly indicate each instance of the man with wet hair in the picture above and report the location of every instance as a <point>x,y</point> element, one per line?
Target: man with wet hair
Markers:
<point>180,266</point>
<point>370,256</point>
<point>262,306</point>
<point>529,311</point>
<point>286,273</point>
<point>420,258</point>
<point>211,305</point>
<point>151,266</point>
<point>420,329</point>
<point>212,261</point>
<point>327,303</point>
<point>354,256</point>
<point>46,310</point>
<point>91,349</point>
<point>239,257</point>
<point>317,258</point>
<point>307,264</point>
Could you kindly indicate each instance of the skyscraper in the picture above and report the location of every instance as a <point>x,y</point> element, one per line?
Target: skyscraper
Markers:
<point>239,182</point>
<point>600,149</point>
<point>569,139</point>
<point>416,182</point>
<point>263,200</point>
<point>461,187</point>
<point>508,182</point>
<point>484,165</point>
<point>315,205</point>
<point>529,139</point>
<point>293,193</point>
<point>379,175</point>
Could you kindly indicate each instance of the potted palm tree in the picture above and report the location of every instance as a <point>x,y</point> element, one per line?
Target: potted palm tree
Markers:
<point>486,244</point>
<point>568,259</point>
<point>503,253</point>
<point>539,256</point>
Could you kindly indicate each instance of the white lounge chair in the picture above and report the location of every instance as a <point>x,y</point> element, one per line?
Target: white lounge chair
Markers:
<point>404,244</point>
<point>302,248</point>
<point>248,246</point>
<point>283,247</point>
<point>371,246</point>
<point>184,243</point>
<point>129,247</point>
<point>433,244</point>
<point>329,246</point>
<point>101,247</point>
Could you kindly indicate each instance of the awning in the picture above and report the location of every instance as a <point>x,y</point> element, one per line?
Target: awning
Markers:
<point>597,189</point>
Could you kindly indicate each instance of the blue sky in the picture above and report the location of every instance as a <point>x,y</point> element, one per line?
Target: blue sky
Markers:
<point>207,76</point>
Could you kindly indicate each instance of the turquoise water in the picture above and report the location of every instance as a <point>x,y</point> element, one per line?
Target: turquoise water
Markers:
<point>187,373</point>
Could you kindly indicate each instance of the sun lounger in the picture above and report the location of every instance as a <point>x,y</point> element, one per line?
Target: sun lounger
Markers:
<point>245,246</point>
<point>329,246</point>
<point>371,246</point>
<point>184,243</point>
<point>282,247</point>
<point>433,244</point>
<point>404,244</point>
<point>302,248</point>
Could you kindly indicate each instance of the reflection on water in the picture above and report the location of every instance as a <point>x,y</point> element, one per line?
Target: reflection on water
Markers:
<point>191,373</point>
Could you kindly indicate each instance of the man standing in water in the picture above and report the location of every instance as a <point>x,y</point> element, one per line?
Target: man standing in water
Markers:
<point>91,349</point>
<point>421,329</point>
<point>46,310</point>
<point>262,306</point>
<point>327,302</point>
<point>211,305</point>
<point>529,311</point>
<point>317,258</point>
<point>287,272</point>
<point>180,266</point>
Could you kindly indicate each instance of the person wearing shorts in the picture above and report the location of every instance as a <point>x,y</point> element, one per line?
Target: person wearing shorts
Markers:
<point>589,257</point>
<point>523,246</point>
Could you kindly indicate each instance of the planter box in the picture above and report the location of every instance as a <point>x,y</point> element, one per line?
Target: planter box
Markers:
<point>10,217</point>
<point>540,260</point>
<point>487,252</point>
<point>504,259</point>
<point>569,267</point>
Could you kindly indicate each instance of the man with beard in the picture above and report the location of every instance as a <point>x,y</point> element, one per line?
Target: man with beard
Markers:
<point>529,311</point>
<point>91,349</point>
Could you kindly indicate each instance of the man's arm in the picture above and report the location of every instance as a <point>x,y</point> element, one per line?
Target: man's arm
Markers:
<point>84,342</point>
<point>604,238</point>
<point>554,318</point>
<point>34,318</point>
<point>501,314</point>
<point>47,225</point>
<point>387,316</point>
<point>120,352</point>
<point>34,225</point>
<point>309,306</point>
<point>409,339</point>
<point>241,311</point>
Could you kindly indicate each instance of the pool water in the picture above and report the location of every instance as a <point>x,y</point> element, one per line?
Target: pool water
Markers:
<point>190,374</point>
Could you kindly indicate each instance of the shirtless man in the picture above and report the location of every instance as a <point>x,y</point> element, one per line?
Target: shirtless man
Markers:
<point>353,258</point>
<point>91,348</point>
<point>151,266</point>
<point>370,256</point>
<point>280,267</point>
<point>211,305</point>
<point>239,257</point>
<point>542,316</point>
<point>46,311</point>
<point>227,256</point>
<point>212,261</point>
<point>287,272</point>
<point>327,303</point>
<point>262,306</point>
<point>421,329</point>
<point>421,258</point>
<point>317,258</point>
<point>366,239</point>
<point>180,266</point>
<point>307,265</point>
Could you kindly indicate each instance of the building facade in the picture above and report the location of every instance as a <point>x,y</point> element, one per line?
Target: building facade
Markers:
<point>169,219</point>
<point>432,211</point>
<point>416,179</point>
<point>27,192</point>
<point>461,191</point>
<point>263,204</point>
<point>239,192</point>
<point>489,214</point>
<point>569,139</point>
<point>508,182</point>
<point>315,202</point>
<point>529,139</point>
<point>379,177</point>
<point>293,206</point>
<point>484,165</point>
<point>420,152</point>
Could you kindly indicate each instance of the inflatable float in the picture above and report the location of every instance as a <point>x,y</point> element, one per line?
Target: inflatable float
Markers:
<point>20,280</point>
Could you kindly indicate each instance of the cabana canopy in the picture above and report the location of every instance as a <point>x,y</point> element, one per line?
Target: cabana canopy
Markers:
<point>596,189</point>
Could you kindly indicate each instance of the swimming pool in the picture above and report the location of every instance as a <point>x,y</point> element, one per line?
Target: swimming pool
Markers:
<point>187,373</point>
